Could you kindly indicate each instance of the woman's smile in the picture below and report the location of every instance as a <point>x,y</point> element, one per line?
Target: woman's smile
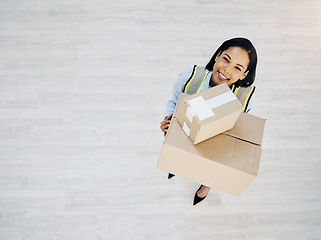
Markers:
<point>221,76</point>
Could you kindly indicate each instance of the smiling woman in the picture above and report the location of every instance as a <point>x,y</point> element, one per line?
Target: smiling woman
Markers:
<point>233,63</point>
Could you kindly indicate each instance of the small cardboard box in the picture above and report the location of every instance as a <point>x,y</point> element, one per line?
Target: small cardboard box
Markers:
<point>228,162</point>
<point>208,113</point>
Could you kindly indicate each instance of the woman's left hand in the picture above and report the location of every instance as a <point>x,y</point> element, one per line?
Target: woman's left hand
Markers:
<point>165,124</point>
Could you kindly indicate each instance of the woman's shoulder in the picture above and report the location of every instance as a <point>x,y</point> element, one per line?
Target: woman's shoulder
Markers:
<point>189,72</point>
<point>186,74</point>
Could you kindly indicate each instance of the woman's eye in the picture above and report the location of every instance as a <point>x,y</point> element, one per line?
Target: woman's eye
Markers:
<point>226,59</point>
<point>238,68</point>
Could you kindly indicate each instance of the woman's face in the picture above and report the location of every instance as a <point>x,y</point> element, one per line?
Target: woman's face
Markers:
<point>230,66</point>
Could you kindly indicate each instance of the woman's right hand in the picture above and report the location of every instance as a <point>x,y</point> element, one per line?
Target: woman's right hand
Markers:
<point>165,124</point>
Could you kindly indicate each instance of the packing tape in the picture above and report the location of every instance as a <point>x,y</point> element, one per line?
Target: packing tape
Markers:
<point>190,114</point>
<point>203,109</point>
<point>221,99</point>
<point>186,129</point>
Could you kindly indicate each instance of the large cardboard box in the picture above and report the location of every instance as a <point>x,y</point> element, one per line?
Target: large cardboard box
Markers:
<point>208,113</point>
<point>228,162</point>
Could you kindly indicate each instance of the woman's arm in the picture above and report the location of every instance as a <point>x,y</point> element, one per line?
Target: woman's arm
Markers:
<point>171,104</point>
<point>177,89</point>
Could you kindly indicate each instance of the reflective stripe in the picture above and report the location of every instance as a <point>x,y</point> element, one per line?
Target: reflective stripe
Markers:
<point>236,91</point>
<point>247,99</point>
<point>191,79</point>
<point>240,95</point>
<point>200,88</point>
<point>193,83</point>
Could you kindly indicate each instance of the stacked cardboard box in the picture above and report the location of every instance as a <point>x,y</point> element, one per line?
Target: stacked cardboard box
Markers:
<point>228,162</point>
<point>208,113</point>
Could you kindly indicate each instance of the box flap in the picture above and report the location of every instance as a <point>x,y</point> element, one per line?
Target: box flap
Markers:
<point>248,128</point>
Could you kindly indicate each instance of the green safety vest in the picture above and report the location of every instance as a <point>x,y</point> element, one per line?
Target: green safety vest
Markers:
<point>197,79</point>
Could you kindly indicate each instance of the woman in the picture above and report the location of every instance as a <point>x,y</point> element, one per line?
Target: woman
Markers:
<point>233,63</point>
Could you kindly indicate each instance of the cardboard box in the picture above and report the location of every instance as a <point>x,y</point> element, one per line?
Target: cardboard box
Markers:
<point>208,113</point>
<point>228,162</point>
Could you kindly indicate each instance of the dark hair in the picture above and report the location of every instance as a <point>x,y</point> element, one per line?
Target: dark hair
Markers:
<point>249,48</point>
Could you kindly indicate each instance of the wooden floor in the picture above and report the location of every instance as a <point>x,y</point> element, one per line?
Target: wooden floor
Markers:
<point>83,87</point>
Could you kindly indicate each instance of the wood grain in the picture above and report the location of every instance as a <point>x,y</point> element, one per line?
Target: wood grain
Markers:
<point>83,88</point>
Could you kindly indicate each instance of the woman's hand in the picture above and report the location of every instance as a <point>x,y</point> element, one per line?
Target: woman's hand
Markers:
<point>165,124</point>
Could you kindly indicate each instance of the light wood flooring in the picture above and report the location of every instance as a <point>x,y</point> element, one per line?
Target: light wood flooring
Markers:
<point>83,88</point>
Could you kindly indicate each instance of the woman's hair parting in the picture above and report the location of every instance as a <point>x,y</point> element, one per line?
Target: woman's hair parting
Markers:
<point>249,48</point>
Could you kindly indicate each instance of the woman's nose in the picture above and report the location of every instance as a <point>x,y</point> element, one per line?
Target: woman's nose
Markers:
<point>228,69</point>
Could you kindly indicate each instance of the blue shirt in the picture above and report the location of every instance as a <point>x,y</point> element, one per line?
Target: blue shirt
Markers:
<point>178,88</point>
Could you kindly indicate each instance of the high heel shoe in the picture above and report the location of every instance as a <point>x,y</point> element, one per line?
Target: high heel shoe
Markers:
<point>170,175</point>
<point>197,199</point>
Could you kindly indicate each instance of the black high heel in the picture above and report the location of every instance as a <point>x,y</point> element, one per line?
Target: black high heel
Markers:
<point>197,199</point>
<point>170,175</point>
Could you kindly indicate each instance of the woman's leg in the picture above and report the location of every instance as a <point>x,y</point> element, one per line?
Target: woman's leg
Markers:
<point>203,191</point>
